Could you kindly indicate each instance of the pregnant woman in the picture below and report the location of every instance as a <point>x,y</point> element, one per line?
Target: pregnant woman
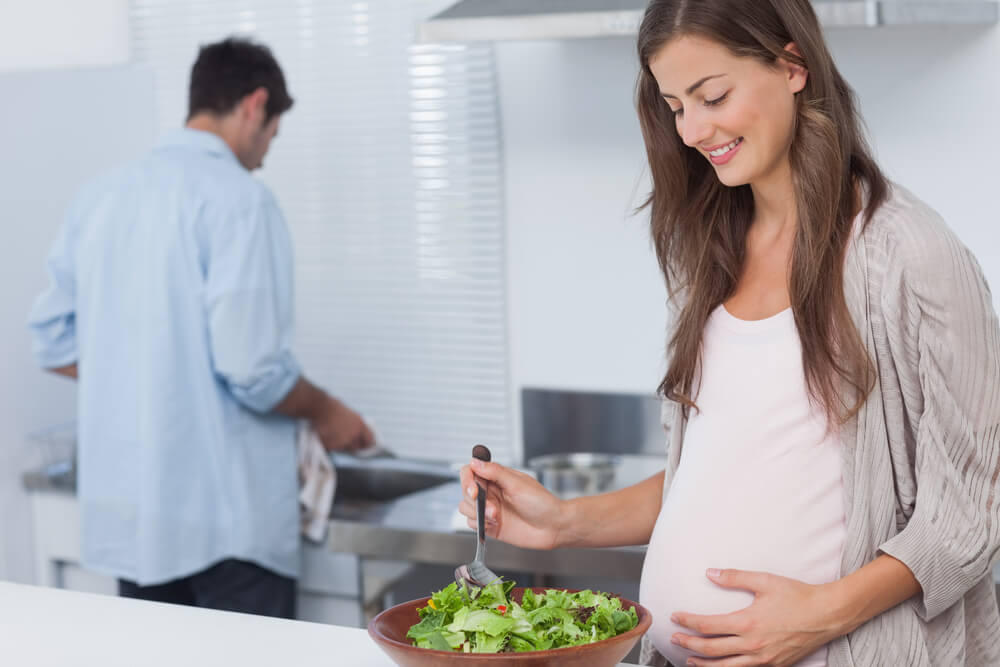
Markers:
<point>832,393</point>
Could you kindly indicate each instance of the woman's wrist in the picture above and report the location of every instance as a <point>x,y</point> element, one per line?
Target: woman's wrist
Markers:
<point>565,533</point>
<point>867,592</point>
<point>841,603</point>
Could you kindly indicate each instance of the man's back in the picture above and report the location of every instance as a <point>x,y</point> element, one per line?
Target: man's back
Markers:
<point>172,291</point>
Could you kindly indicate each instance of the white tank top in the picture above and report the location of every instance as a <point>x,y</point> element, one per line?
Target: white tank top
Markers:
<point>759,481</point>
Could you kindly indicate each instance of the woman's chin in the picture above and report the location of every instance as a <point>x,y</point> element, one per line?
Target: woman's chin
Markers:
<point>731,177</point>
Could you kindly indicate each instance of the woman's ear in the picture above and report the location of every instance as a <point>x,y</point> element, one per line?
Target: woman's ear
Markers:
<point>796,71</point>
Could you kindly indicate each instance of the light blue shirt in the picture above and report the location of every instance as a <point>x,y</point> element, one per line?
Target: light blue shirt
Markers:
<point>171,289</point>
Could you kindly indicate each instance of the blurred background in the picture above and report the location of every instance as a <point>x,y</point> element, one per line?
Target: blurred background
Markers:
<point>468,266</point>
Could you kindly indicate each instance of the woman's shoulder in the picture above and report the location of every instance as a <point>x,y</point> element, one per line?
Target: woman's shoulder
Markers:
<point>906,235</point>
<point>905,223</point>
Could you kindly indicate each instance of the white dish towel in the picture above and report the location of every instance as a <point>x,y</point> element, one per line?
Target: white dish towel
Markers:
<point>318,479</point>
<point>317,484</point>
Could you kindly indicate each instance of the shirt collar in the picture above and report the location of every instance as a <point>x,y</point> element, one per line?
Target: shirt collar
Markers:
<point>198,140</point>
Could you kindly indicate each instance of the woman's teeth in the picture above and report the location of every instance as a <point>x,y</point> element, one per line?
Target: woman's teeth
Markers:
<point>725,149</point>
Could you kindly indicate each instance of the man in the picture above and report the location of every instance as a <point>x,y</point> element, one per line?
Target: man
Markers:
<point>171,302</point>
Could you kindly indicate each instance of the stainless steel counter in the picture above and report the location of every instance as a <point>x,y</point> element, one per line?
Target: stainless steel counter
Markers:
<point>417,527</point>
<point>40,480</point>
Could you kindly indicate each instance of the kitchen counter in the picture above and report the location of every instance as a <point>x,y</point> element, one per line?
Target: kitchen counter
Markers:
<point>44,627</point>
<point>417,527</point>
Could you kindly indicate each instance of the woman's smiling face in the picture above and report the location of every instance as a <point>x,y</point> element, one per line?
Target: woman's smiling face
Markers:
<point>736,111</point>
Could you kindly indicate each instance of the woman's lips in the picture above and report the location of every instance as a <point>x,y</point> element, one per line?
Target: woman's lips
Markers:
<point>728,155</point>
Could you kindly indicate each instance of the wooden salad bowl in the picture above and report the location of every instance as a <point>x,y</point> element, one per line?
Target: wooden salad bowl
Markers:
<point>389,629</point>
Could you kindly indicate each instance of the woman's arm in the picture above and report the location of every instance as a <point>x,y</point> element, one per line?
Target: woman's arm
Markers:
<point>522,512</point>
<point>620,518</point>
<point>944,339</point>
<point>864,594</point>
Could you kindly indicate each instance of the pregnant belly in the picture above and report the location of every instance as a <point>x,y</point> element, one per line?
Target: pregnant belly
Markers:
<point>741,521</point>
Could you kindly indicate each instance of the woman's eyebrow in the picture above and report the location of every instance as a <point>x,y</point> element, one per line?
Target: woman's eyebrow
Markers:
<point>694,86</point>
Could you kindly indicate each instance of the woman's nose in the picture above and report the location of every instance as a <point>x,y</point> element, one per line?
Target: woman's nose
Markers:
<point>695,129</point>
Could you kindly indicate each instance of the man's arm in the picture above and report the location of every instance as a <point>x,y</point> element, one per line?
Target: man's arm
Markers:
<point>337,426</point>
<point>304,401</point>
<point>52,320</point>
<point>69,371</point>
<point>248,288</point>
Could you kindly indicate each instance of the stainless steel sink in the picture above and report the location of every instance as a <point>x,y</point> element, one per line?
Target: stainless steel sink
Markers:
<point>359,481</point>
<point>379,480</point>
<point>60,476</point>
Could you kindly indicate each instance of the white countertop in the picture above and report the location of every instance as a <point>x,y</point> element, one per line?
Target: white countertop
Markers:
<point>47,626</point>
<point>51,627</point>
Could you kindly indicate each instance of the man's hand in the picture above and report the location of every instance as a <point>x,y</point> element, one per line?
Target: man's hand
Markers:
<point>340,428</point>
<point>67,371</point>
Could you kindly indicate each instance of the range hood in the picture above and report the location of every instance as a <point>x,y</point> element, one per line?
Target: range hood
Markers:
<point>498,20</point>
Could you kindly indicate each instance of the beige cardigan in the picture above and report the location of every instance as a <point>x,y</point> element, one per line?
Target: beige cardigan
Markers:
<point>921,460</point>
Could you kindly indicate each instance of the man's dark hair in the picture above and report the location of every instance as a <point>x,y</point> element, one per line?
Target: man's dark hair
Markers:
<point>228,71</point>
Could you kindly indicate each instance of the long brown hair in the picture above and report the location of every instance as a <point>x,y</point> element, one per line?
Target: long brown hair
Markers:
<point>699,225</point>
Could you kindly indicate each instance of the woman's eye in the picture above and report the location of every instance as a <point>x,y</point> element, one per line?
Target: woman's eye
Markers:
<point>678,112</point>
<point>716,101</point>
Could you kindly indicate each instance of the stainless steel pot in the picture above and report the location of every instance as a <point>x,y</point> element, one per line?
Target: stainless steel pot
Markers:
<point>575,474</point>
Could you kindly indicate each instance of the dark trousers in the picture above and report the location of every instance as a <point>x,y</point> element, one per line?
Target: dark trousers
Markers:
<point>229,585</point>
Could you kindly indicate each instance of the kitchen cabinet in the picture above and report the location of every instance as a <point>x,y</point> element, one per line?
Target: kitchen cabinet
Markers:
<point>335,588</point>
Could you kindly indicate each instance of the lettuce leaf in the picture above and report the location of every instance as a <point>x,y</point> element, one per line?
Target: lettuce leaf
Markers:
<point>490,622</point>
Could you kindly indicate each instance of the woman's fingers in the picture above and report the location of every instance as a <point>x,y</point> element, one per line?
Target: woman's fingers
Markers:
<point>500,481</point>
<point>499,476</point>
<point>713,647</point>
<point>467,480</point>
<point>491,528</point>
<point>492,472</point>
<point>468,510</point>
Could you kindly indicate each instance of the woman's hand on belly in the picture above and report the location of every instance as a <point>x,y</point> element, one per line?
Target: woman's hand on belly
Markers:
<point>787,621</point>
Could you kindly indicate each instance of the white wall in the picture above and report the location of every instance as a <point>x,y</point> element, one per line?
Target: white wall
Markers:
<point>586,300</point>
<point>39,34</point>
<point>57,128</point>
<point>931,98</point>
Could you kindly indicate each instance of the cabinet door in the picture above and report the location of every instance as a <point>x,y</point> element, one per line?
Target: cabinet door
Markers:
<point>56,523</point>
<point>75,578</point>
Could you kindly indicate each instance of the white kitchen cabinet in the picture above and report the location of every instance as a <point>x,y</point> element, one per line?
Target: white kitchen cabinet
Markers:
<point>73,577</point>
<point>55,518</point>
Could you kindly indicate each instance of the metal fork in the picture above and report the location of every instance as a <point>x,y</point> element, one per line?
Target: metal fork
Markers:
<point>475,575</point>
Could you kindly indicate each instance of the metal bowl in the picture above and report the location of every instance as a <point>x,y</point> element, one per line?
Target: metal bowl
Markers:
<point>576,474</point>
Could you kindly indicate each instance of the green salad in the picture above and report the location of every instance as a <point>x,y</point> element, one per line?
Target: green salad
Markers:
<point>493,623</point>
